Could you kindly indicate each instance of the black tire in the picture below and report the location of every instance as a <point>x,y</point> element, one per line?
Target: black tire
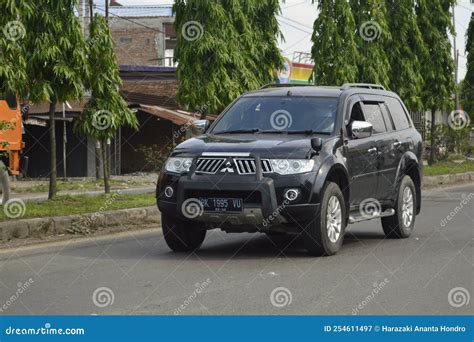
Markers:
<point>182,236</point>
<point>4,183</point>
<point>394,226</point>
<point>316,233</point>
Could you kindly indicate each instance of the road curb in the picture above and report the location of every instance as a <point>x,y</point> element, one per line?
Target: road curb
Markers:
<point>449,179</point>
<point>77,224</point>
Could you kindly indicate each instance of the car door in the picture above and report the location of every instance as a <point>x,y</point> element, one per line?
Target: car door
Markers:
<point>361,157</point>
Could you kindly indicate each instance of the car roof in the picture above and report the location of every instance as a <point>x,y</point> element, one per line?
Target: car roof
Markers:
<point>310,90</point>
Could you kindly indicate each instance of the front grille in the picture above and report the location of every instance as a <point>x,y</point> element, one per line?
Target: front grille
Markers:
<point>245,166</point>
<point>209,165</point>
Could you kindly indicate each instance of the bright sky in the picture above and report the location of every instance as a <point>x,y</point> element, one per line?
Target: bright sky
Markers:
<point>297,17</point>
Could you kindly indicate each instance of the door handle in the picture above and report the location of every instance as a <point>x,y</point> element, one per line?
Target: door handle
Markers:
<point>397,144</point>
<point>372,150</point>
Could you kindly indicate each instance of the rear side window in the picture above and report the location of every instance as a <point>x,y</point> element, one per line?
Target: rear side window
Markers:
<point>373,115</point>
<point>399,115</point>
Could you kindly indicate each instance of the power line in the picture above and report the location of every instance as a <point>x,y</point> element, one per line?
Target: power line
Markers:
<point>132,21</point>
<point>295,21</point>
<point>295,27</point>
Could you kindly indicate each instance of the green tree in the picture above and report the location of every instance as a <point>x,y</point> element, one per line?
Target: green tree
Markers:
<point>467,88</point>
<point>224,48</point>
<point>56,60</point>
<point>13,74</point>
<point>403,49</point>
<point>437,67</point>
<point>334,48</point>
<point>373,35</point>
<point>106,111</point>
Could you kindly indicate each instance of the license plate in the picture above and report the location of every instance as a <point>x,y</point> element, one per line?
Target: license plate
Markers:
<point>221,205</point>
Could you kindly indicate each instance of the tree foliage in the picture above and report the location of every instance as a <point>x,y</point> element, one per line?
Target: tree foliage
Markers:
<point>106,111</point>
<point>467,89</point>
<point>13,74</point>
<point>224,48</point>
<point>334,48</point>
<point>437,67</point>
<point>405,49</point>
<point>373,35</point>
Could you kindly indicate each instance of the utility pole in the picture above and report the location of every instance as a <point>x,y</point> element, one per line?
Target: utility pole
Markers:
<point>456,60</point>
<point>107,10</point>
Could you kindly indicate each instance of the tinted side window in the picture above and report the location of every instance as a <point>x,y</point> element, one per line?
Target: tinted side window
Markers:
<point>398,113</point>
<point>387,118</point>
<point>10,99</point>
<point>373,115</point>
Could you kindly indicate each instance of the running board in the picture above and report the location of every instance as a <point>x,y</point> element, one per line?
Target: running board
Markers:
<point>388,212</point>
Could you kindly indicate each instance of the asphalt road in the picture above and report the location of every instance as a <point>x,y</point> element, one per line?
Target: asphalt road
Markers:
<point>429,273</point>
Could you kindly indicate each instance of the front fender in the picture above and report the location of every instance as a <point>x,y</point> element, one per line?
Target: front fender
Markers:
<point>329,165</point>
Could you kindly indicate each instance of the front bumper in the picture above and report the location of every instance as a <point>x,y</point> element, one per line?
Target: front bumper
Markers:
<point>263,203</point>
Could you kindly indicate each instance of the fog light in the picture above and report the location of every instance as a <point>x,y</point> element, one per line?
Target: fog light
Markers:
<point>169,191</point>
<point>291,194</point>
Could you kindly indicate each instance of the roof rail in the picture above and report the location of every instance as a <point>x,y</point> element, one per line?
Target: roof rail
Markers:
<point>282,85</point>
<point>362,85</point>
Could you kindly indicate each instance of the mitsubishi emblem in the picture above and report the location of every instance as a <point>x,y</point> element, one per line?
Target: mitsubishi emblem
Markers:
<point>227,167</point>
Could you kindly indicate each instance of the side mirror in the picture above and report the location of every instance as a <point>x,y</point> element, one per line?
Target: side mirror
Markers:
<point>361,129</point>
<point>200,126</point>
<point>317,144</point>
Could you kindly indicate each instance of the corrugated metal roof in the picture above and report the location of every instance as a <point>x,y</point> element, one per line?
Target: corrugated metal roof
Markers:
<point>138,11</point>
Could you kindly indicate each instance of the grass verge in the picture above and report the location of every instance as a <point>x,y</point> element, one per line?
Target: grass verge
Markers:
<point>72,205</point>
<point>443,168</point>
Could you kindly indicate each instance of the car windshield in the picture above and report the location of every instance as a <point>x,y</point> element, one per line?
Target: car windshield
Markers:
<point>285,114</point>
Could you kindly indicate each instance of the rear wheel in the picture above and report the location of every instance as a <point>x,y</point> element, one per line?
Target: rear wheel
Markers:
<point>325,234</point>
<point>4,184</point>
<point>182,236</point>
<point>401,224</point>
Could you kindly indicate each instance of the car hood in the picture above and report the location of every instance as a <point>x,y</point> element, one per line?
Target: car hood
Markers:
<point>266,145</point>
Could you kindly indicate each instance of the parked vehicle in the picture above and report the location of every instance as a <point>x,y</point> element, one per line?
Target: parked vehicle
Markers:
<point>11,143</point>
<point>302,160</point>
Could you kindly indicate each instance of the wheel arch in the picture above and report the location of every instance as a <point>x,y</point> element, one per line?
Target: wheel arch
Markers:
<point>410,166</point>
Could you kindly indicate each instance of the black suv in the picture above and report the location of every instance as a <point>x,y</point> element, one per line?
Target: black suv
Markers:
<point>296,159</point>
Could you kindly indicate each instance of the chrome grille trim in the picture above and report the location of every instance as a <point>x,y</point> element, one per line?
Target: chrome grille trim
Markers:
<point>245,166</point>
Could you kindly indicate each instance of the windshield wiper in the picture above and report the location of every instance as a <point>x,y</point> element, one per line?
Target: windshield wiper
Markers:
<point>308,131</point>
<point>272,131</point>
<point>253,130</point>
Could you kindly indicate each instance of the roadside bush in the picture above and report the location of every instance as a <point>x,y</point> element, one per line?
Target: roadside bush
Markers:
<point>450,143</point>
<point>155,156</point>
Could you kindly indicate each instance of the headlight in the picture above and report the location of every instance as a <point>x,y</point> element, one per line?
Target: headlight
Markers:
<point>178,165</point>
<point>291,166</point>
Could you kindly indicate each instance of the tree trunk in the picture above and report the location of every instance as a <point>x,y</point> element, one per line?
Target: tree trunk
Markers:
<point>105,166</point>
<point>432,130</point>
<point>97,160</point>
<point>52,150</point>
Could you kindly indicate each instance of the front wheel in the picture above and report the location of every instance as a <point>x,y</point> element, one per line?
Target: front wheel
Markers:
<point>182,236</point>
<point>325,234</point>
<point>400,225</point>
